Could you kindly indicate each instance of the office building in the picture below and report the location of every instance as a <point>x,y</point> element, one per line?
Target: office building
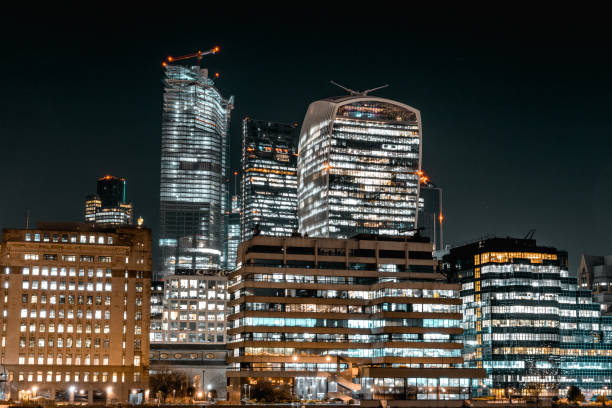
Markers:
<point>358,167</point>
<point>76,309</point>
<point>234,224</point>
<point>110,205</point>
<point>595,274</point>
<point>431,216</point>
<point>194,162</point>
<point>527,322</point>
<point>157,331</point>
<point>269,181</point>
<point>193,309</point>
<point>364,318</point>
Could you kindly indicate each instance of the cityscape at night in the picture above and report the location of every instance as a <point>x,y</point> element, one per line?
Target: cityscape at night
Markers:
<point>248,209</point>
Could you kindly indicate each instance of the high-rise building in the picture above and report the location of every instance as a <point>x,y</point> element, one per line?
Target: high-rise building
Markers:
<point>595,274</point>
<point>233,231</point>
<point>110,205</point>
<point>364,318</point>
<point>194,164</point>
<point>75,315</point>
<point>269,181</point>
<point>430,213</point>
<point>527,322</point>
<point>358,167</point>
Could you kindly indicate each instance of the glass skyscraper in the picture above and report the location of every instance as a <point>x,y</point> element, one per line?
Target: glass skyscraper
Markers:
<point>358,167</point>
<point>269,181</point>
<point>193,170</point>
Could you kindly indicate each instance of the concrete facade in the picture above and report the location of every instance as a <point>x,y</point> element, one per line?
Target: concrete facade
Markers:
<point>367,318</point>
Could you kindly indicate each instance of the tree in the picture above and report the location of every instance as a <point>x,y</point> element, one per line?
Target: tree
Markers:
<point>212,395</point>
<point>265,391</point>
<point>167,382</point>
<point>574,394</point>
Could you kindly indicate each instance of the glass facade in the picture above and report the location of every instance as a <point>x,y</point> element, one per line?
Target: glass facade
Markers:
<point>358,168</point>
<point>595,274</point>
<point>527,322</point>
<point>193,170</point>
<point>269,182</point>
<point>233,232</point>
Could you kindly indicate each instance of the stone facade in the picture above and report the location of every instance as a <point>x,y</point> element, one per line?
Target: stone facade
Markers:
<point>75,312</point>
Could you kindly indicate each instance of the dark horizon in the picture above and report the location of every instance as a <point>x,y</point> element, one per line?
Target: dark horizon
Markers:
<point>515,121</point>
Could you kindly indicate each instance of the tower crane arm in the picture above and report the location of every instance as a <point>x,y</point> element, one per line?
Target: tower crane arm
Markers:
<point>198,55</point>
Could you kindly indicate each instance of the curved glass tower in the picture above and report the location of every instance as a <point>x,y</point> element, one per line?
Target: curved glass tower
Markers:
<point>193,170</point>
<point>358,167</point>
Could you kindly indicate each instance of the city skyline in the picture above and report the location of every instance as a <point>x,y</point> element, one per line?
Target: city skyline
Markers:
<point>499,131</point>
<point>286,236</point>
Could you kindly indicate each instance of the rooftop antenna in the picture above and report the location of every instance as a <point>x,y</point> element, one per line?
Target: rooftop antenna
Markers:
<point>27,219</point>
<point>357,93</point>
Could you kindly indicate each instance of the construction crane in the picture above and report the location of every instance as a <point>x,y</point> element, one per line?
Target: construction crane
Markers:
<point>198,55</point>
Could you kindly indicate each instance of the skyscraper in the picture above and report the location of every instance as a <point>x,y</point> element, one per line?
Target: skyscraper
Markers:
<point>110,205</point>
<point>358,167</point>
<point>269,182</point>
<point>195,125</point>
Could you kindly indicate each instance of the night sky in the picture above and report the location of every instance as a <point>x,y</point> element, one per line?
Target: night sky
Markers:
<point>516,113</point>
